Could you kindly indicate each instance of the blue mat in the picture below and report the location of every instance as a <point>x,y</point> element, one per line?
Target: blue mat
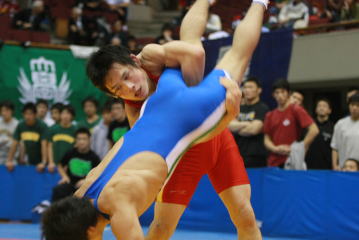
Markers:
<point>32,232</point>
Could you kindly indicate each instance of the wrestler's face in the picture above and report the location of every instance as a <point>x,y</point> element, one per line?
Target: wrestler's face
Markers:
<point>127,82</point>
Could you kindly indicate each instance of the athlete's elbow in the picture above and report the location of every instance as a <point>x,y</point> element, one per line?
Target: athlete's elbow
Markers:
<point>198,53</point>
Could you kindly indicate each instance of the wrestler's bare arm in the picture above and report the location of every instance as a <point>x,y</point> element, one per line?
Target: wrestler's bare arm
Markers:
<point>125,224</point>
<point>189,57</point>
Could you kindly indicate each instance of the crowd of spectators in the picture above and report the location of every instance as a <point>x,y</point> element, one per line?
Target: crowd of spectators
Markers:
<point>101,22</point>
<point>90,22</point>
<point>279,137</point>
<point>288,137</point>
<point>51,138</point>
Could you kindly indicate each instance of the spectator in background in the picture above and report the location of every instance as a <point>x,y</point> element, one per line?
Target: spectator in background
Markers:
<point>118,36</point>
<point>248,127</point>
<point>75,165</point>
<point>166,34</point>
<point>90,106</point>
<point>120,7</point>
<point>350,10</point>
<point>99,143</point>
<point>9,7</point>
<point>351,165</point>
<point>346,135</point>
<point>42,109</point>
<point>214,23</point>
<point>132,45</point>
<point>351,92</point>
<point>32,132</point>
<point>82,30</point>
<point>55,112</point>
<point>295,14</point>
<point>334,7</point>
<point>283,126</point>
<point>90,5</point>
<point>319,153</point>
<point>119,126</point>
<point>8,125</point>
<point>61,137</point>
<point>32,19</point>
<point>77,34</point>
<point>296,97</point>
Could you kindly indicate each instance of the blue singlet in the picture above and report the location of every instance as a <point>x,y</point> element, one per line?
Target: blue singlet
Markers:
<point>172,119</point>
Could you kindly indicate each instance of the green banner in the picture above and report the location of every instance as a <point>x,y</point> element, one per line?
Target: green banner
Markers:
<point>28,74</point>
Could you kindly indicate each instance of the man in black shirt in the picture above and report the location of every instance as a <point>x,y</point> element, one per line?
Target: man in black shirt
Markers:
<point>247,128</point>
<point>75,165</point>
<point>119,126</point>
<point>319,152</point>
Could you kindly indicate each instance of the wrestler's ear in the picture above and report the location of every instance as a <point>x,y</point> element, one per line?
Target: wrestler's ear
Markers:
<point>135,59</point>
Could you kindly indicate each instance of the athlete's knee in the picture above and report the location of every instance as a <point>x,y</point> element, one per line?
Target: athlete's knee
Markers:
<point>245,218</point>
<point>160,230</point>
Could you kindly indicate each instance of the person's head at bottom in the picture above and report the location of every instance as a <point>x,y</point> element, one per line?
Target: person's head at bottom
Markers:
<point>351,165</point>
<point>71,218</point>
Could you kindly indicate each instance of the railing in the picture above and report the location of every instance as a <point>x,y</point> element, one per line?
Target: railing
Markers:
<point>327,27</point>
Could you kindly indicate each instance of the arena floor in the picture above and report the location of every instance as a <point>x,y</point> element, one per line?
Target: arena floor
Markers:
<point>31,232</point>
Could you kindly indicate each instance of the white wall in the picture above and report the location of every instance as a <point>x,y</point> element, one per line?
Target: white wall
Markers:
<point>326,57</point>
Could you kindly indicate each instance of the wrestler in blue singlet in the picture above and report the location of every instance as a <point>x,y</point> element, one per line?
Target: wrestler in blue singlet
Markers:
<point>171,120</point>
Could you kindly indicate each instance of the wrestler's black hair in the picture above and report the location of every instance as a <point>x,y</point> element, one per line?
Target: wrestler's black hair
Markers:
<point>29,106</point>
<point>69,219</point>
<point>101,62</point>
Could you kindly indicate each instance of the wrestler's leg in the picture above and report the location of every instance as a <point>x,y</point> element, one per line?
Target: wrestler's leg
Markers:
<point>245,40</point>
<point>237,201</point>
<point>165,220</point>
<point>194,23</point>
<point>191,31</point>
<point>231,182</point>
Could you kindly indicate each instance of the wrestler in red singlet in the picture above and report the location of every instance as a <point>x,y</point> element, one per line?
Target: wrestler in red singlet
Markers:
<point>219,158</point>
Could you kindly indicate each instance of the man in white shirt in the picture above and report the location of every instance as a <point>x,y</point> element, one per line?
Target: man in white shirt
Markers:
<point>346,136</point>
<point>295,14</point>
<point>99,142</point>
<point>7,128</point>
